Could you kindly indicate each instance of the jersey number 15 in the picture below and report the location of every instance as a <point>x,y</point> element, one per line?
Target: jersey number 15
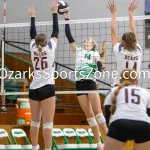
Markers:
<point>134,95</point>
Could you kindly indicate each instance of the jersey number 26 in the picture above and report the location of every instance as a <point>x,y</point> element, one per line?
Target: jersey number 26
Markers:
<point>44,63</point>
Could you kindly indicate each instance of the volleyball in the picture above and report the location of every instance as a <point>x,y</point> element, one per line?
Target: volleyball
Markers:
<point>63,7</point>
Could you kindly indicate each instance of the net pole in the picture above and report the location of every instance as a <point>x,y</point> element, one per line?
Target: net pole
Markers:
<point>3,51</point>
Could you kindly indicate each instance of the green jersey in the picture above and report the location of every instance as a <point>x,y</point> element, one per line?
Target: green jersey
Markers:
<point>86,64</point>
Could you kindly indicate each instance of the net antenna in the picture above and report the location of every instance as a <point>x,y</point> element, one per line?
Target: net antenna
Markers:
<point>3,50</point>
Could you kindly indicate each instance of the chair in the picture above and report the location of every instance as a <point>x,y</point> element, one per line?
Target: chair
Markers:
<point>4,134</point>
<point>58,133</point>
<point>69,133</point>
<point>19,133</point>
<point>83,134</point>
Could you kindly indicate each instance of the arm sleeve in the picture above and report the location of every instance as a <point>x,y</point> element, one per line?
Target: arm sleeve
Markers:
<point>55,26</point>
<point>107,105</point>
<point>99,65</point>
<point>68,33</point>
<point>33,32</point>
<point>148,105</point>
<point>107,113</point>
<point>148,111</point>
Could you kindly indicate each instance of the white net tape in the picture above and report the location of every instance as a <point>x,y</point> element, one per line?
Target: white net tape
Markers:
<point>59,92</point>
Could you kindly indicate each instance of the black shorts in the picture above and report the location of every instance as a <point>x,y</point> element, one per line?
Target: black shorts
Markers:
<point>42,93</point>
<point>123,130</point>
<point>85,85</point>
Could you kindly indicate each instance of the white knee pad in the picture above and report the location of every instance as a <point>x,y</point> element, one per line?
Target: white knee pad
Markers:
<point>35,124</point>
<point>48,125</point>
<point>92,121</point>
<point>100,118</point>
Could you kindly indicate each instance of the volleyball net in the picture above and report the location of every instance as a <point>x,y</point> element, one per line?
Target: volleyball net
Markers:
<point>16,53</point>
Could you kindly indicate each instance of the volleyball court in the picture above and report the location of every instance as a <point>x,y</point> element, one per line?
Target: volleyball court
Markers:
<point>70,117</point>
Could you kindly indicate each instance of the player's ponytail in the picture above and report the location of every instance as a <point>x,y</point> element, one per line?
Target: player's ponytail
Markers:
<point>40,49</point>
<point>128,77</point>
<point>116,92</point>
<point>94,47</point>
<point>41,42</point>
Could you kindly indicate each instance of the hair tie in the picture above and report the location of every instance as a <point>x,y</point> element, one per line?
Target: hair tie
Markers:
<point>39,46</point>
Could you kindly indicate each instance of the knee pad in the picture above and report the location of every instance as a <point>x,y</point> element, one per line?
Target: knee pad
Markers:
<point>35,124</point>
<point>92,121</point>
<point>48,125</point>
<point>100,118</point>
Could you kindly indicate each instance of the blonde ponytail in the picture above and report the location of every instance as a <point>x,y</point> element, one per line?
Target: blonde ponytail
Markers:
<point>41,42</point>
<point>116,92</point>
<point>40,50</point>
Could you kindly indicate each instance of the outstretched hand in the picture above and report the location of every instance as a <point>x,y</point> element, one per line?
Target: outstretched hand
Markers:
<point>134,5</point>
<point>32,11</point>
<point>54,6</point>
<point>111,6</point>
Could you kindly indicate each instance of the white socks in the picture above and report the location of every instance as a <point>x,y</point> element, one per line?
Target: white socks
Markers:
<point>34,147</point>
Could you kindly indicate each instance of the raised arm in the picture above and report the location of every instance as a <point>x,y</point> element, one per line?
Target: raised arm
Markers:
<point>112,7</point>
<point>71,40</point>
<point>132,7</point>
<point>54,9</point>
<point>32,11</point>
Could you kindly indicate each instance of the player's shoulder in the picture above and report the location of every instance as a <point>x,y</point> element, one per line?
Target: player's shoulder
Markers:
<point>143,90</point>
<point>111,91</point>
<point>32,44</point>
<point>139,49</point>
<point>52,44</point>
<point>109,95</point>
<point>118,47</point>
<point>140,89</point>
<point>79,49</point>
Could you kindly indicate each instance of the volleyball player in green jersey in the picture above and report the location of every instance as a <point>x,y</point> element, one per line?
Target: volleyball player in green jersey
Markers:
<point>87,61</point>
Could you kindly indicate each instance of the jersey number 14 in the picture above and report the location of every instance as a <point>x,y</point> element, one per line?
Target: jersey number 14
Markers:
<point>134,66</point>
